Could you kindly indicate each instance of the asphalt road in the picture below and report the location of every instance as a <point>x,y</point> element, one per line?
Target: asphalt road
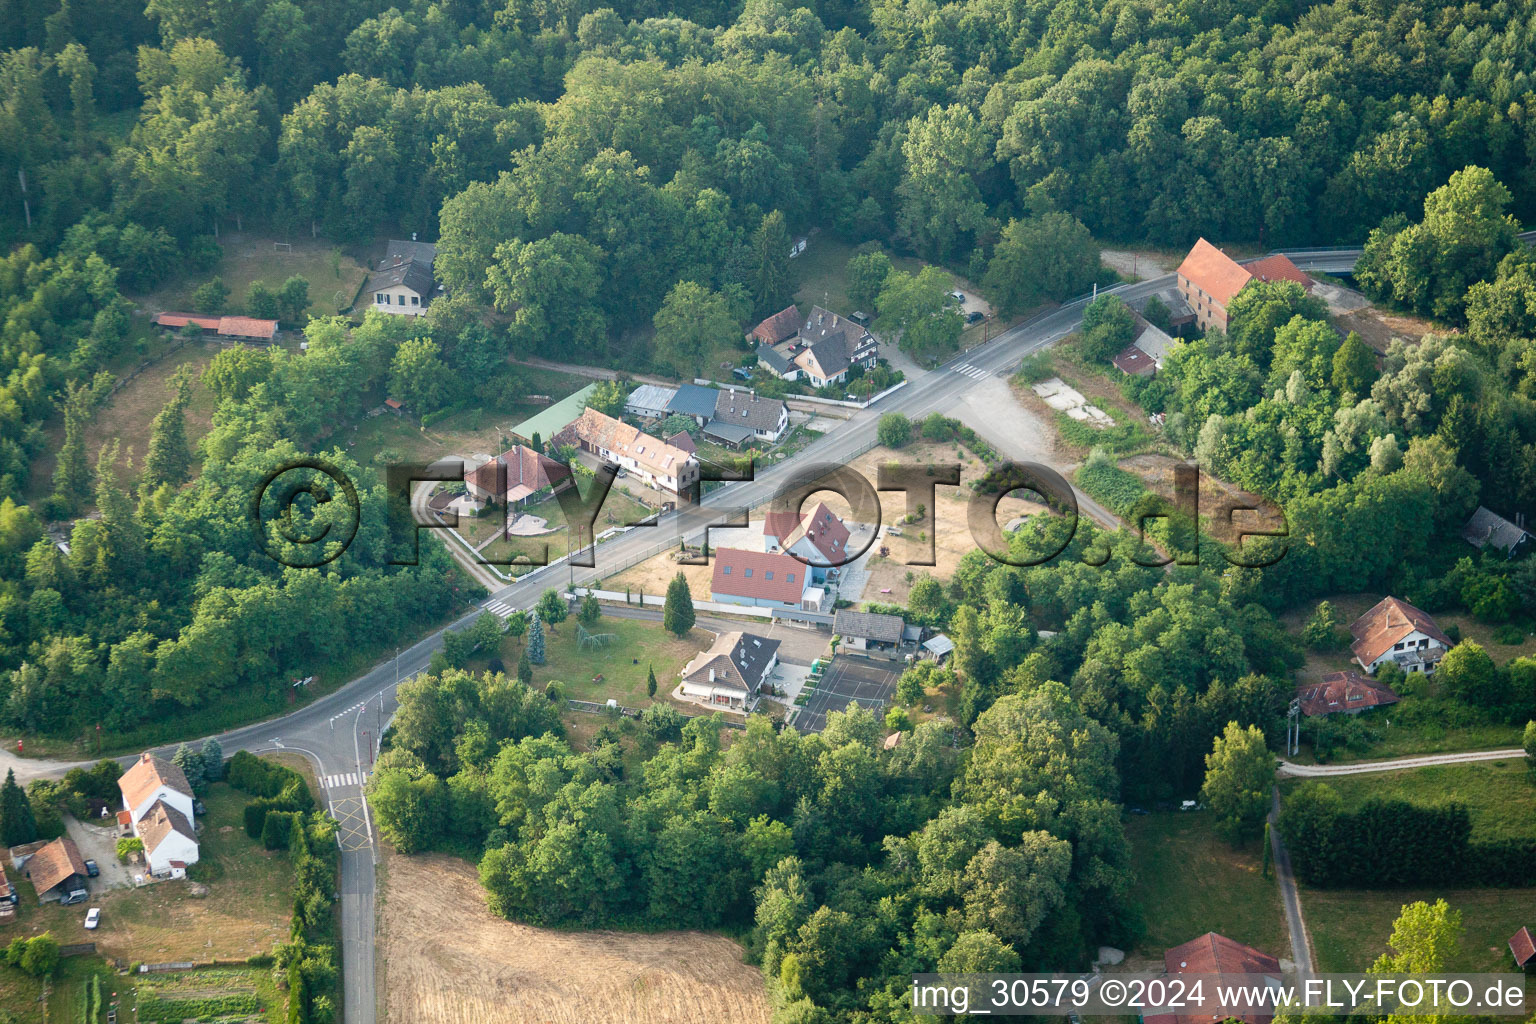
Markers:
<point>339,732</point>
<point>1315,771</point>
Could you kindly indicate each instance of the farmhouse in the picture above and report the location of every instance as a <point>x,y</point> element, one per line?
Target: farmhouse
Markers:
<point>1346,692</point>
<point>247,328</point>
<point>734,668</point>
<point>403,283</point>
<point>868,631</point>
<point>765,419</point>
<point>1396,631</point>
<point>1216,954</point>
<point>514,477</point>
<point>1145,354</point>
<point>758,579</point>
<point>1209,279</point>
<point>654,461</point>
<point>778,327</point>
<point>823,348</point>
<point>1488,529</point>
<point>158,801</point>
<point>57,872</point>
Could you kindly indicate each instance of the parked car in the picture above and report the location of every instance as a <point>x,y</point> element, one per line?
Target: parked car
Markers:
<point>742,372</point>
<point>975,316</point>
<point>197,808</point>
<point>957,295</point>
<point>92,918</point>
<point>92,869</point>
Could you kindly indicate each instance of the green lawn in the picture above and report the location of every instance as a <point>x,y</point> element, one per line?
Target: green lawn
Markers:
<point>1189,882</point>
<point>637,644</point>
<point>246,911</point>
<point>250,257</point>
<point>1350,928</point>
<point>1499,795</point>
<point>618,509</point>
<point>20,994</point>
<point>822,272</point>
<point>69,999</point>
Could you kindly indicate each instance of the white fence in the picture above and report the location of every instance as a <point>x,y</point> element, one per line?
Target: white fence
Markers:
<point>659,600</point>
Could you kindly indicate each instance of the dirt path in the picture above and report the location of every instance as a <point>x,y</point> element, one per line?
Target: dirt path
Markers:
<point>1308,771</point>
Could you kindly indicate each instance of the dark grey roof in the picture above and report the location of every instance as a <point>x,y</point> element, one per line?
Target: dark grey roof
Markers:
<point>730,433</point>
<point>751,656</point>
<point>869,625</point>
<point>693,400</point>
<point>1488,528</point>
<point>831,353</point>
<point>744,408</point>
<point>778,361</point>
<point>401,251</point>
<point>415,276</point>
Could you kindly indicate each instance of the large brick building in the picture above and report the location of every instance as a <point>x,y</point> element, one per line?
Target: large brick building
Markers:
<point>1209,279</point>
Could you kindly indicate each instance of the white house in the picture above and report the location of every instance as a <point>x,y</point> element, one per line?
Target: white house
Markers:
<point>734,668</point>
<point>158,801</point>
<point>1396,631</point>
<point>766,418</point>
<point>657,463</point>
<point>403,284</point>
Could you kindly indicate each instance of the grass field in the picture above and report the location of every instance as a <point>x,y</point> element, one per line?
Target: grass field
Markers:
<point>1350,928</point>
<point>250,257</point>
<point>618,508</point>
<point>452,962</point>
<point>69,998</point>
<point>1499,795</point>
<point>20,995</point>
<point>247,908</point>
<point>637,645</point>
<point>1189,882</point>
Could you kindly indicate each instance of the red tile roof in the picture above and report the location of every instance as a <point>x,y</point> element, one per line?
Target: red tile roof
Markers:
<point>527,473</point>
<point>1523,947</point>
<point>394,403</point>
<point>1386,624</point>
<point>826,532</point>
<point>1343,691</point>
<point>683,442</point>
<point>1216,954</point>
<point>247,327</point>
<point>148,774</point>
<point>1214,272</point>
<point>229,326</point>
<point>779,523</point>
<point>761,575</point>
<point>1278,268</point>
<point>1134,361</point>
<point>53,864</point>
<point>776,328</point>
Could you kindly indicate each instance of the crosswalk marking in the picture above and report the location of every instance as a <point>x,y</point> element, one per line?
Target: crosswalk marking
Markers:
<point>500,608</point>
<point>344,779</point>
<point>973,372</point>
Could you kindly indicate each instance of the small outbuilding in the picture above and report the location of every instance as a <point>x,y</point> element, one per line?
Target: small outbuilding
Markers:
<point>1523,948</point>
<point>868,631</point>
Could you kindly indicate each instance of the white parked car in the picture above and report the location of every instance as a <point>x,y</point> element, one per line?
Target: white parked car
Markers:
<point>92,918</point>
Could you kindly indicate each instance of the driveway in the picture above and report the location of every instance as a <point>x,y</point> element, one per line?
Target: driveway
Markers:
<point>1312,771</point>
<point>99,843</point>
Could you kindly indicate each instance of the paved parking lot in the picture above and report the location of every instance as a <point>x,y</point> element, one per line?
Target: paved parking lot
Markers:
<point>849,679</point>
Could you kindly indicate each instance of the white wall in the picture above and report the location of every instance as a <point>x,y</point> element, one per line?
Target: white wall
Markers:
<point>395,294</point>
<point>173,847</point>
<point>180,801</point>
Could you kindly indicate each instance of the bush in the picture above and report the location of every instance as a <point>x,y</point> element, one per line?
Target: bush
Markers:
<point>894,430</point>
<point>277,830</point>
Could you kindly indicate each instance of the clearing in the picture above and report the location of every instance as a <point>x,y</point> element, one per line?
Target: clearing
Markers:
<point>617,670</point>
<point>1217,498</point>
<point>1188,883</point>
<point>452,962</point>
<point>1499,795</point>
<point>334,275</point>
<point>247,909</point>
<point>1350,928</point>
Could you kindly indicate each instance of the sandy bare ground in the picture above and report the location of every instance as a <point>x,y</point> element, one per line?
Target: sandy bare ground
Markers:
<point>952,539</point>
<point>1377,327</point>
<point>450,961</point>
<point>1222,504</point>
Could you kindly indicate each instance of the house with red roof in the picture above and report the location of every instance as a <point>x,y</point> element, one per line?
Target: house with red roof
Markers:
<point>818,539</point>
<point>1216,954</point>
<point>1394,630</point>
<point>1209,279</point>
<point>515,477</point>
<point>758,579</point>
<point>249,328</point>
<point>1343,692</point>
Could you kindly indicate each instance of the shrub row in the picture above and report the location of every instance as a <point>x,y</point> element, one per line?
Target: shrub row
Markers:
<point>1394,843</point>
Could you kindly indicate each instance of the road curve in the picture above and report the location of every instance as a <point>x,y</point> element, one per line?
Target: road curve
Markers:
<point>1290,769</point>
